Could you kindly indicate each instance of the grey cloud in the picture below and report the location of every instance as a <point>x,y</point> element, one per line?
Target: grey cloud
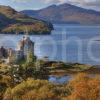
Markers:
<point>83,3</point>
<point>22,0</point>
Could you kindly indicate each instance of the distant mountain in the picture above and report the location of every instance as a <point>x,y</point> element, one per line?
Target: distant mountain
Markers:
<point>13,22</point>
<point>66,13</point>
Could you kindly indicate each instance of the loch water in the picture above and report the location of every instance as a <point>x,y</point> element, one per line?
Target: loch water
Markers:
<point>69,43</point>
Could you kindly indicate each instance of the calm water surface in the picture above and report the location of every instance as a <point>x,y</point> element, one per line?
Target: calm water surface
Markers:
<point>63,79</point>
<point>68,43</point>
<point>59,79</point>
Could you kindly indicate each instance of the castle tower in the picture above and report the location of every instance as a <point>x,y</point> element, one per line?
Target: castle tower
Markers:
<point>26,45</point>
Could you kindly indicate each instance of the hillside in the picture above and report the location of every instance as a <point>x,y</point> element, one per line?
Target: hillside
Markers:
<point>66,13</point>
<point>13,22</point>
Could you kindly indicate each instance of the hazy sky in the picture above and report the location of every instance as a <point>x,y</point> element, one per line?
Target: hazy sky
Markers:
<point>37,4</point>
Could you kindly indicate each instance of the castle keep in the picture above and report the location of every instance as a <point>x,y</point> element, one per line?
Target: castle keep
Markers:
<point>24,46</point>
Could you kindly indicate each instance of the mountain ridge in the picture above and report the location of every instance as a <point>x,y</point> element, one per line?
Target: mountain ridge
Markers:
<point>66,13</point>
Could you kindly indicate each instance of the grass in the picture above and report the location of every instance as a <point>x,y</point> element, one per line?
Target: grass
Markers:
<point>70,69</point>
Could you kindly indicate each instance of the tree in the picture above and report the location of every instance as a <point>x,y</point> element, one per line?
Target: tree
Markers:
<point>29,58</point>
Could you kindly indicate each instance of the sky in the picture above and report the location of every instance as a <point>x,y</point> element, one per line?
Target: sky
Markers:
<point>38,4</point>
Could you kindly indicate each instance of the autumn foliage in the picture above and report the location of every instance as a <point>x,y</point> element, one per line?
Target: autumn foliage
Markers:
<point>81,87</point>
<point>84,87</point>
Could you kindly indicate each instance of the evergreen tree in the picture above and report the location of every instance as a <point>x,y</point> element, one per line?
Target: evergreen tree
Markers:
<point>30,57</point>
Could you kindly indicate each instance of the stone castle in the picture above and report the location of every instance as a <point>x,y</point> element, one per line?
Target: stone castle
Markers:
<point>24,46</point>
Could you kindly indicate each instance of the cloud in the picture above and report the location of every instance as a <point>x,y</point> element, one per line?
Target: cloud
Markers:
<point>86,2</point>
<point>83,3</point>
<point>22,1</point>
<point>77,2</point>
<point>55,1</point>
<point>93,4</point>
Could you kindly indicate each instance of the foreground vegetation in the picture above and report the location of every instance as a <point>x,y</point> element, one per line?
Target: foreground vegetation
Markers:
<point>28,80</point>
<point>81,87</point>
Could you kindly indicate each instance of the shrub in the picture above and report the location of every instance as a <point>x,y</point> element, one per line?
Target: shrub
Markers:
<point>32,90</point>
<point>5,82</point>
<point>81,87</point>
<point>84,88</point>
